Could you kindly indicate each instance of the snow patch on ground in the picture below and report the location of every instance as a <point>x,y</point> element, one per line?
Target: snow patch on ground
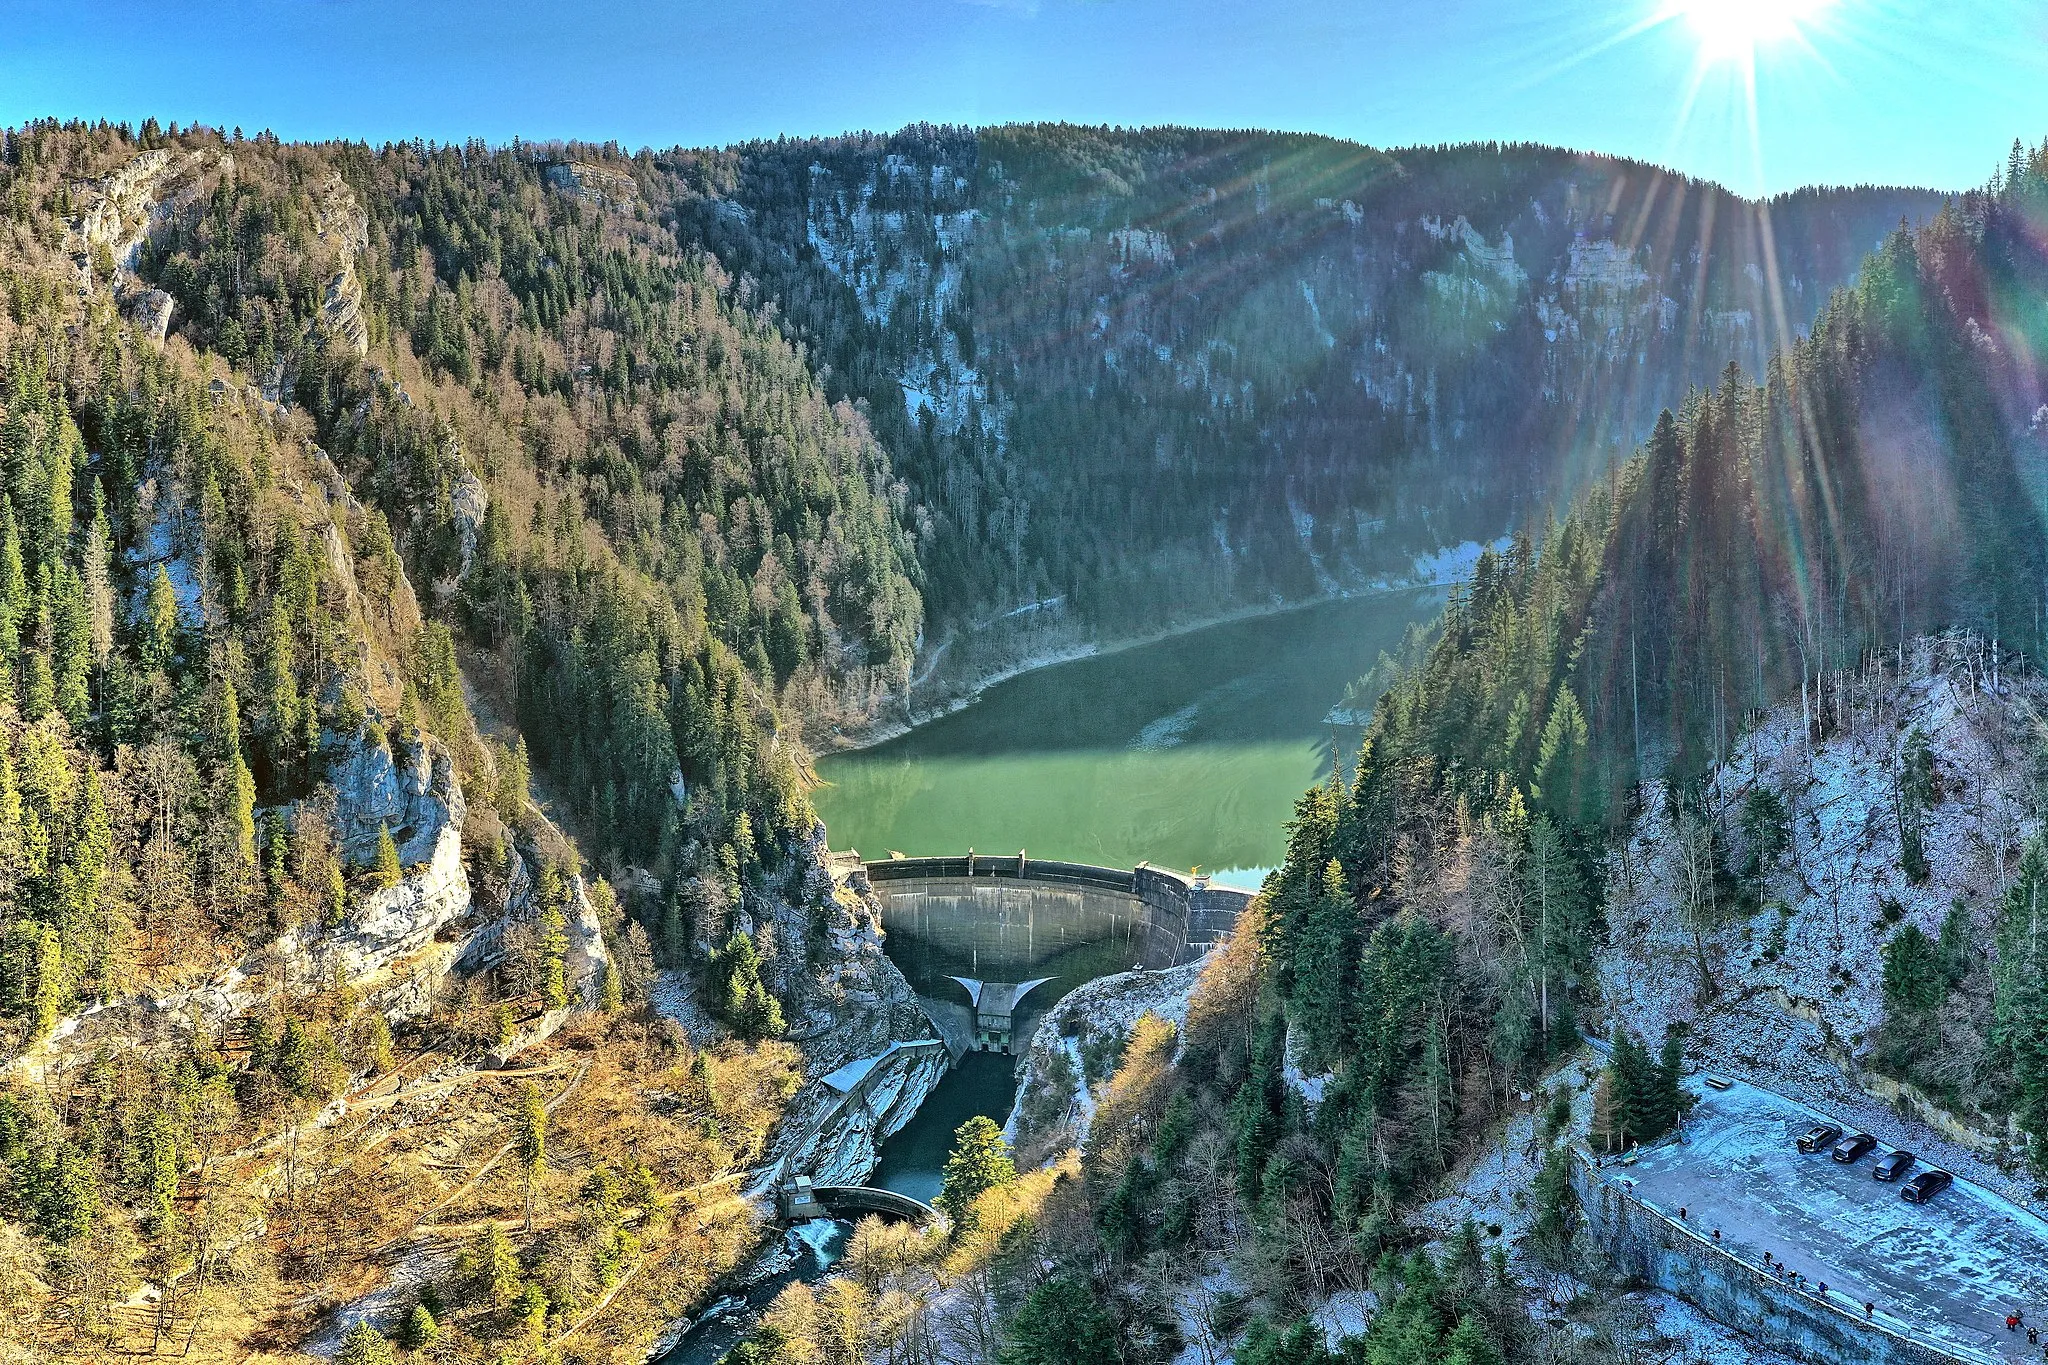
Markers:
<point>1447,565</point>
<point>1798,986</point>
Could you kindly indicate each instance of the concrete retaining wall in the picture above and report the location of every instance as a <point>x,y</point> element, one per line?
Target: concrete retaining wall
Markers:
<point>1647,1246</point>
<point>1009,915</point>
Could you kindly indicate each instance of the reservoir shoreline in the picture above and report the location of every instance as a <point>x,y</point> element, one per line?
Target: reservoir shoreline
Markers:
<point>1187,751</point>
<point>854,739</point>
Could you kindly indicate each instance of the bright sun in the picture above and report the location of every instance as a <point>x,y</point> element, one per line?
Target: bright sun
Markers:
<point>1732,30</point>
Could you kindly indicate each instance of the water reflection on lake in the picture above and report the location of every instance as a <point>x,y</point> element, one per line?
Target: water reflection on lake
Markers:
<point>1186,752</point>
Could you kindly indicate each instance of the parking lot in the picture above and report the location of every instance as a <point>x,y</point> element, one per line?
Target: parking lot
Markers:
<point>1948,1271</point>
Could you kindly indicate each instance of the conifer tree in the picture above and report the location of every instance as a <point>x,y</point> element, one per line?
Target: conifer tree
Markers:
<point>552,891</point>
<point>980,1162</point>
<point>1326,947</point>
<point>386,872</point>
<point>2020,999</point>
<point>1914,981</point>
<point>419,1331</point>
<point>532,1142</point>
<point>363,1344</point>
<point>497,1267</point>
<point>157,633</point>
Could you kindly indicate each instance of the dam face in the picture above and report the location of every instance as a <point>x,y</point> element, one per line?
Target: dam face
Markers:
<point>1011,919</point>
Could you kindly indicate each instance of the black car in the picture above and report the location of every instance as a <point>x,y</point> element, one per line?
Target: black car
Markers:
<point>1891,1166</point>
<point>1818,1136</point>
<point>1849,1148</point>
<point>1925,1186</point>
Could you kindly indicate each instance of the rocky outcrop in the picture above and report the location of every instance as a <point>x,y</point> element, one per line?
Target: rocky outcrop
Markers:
<point>1052,1064</point>
<point>469,501</point>
<point>150,310</point>
<point>870,1056</point>
<point>121,198</point>
<point>413,793</point>
<point>344,229</point>
<point>341,310</point>
<point>399,921</point>
<point>593,184</point>
<point>118,213</point>
<point>841,1120</point>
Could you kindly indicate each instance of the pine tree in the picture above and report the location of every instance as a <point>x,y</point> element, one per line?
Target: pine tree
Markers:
<point>1557,1210</point>
<point>386,873</point>
<point>979,1163</point>
<point>1957,944</point>
<point>363,1344</point>
<point>2020,999</point>
<point>419,1331</point>
<point>1326,946</point>
<point>1470,1344</point>
<point>283,725</point>
<point>157,633</point>
<point>497,1267</point>
<point>1914,981</point>
<point>1672,1101</point>
<point>1062,1323</point>
<point>532,1144</point>
<point>554,949</point>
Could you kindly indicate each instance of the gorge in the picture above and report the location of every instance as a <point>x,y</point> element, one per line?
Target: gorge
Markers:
<point>1145,688</point>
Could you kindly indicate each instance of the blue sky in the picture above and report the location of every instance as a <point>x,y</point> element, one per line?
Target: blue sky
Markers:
<point>1905,91</point>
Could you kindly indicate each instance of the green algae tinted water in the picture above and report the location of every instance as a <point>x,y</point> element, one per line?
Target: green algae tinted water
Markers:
<point>1186,752</point>
<point>913,1161</point>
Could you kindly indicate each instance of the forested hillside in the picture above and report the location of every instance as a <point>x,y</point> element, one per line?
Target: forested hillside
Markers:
<point>1771,543</point>
<point>342,494</point>
<point>1721,650</point>
<point>1156,373</point>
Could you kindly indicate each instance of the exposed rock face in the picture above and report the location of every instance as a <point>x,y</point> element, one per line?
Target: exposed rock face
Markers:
<point>1109,1002</point>
<point>414,794</point>
<point>390,943</point>
<point>593,184</point>
<point>122,197</point>
<point>119,214</point>
<point>341,310</point>
<point>470,501</point>
<point>835,1135</point>
<point>399,921</point>
<point>584,964</point>
<point>150,310</point>
<point>847,1005</point>
<point>1791,994</point>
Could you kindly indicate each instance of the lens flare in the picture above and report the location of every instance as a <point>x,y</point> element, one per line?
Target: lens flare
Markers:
<point>1732,30</point>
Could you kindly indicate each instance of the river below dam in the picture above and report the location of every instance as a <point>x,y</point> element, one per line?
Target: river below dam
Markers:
<point>911,1162</point>
<point>1184,752</point>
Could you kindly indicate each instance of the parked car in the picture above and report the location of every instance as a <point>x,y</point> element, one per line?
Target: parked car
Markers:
<point>1819,1136</point>
<point>1849,1148</point>
<point>1891,1166</point>
<point>1925,1186</point>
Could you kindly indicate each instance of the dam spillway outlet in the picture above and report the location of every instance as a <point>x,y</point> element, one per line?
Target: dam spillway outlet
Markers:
<point>995,1010</point>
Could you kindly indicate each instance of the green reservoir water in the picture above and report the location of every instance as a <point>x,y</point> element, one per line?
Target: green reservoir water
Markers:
<point>1186,752</point>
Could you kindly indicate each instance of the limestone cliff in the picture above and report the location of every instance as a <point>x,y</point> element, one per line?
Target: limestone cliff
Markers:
<point>344,229</point>
<point>870,1054</point>
<point>117,215</point>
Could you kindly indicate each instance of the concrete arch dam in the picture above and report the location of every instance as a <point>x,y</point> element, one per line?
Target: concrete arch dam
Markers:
<point>1000,929</point>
